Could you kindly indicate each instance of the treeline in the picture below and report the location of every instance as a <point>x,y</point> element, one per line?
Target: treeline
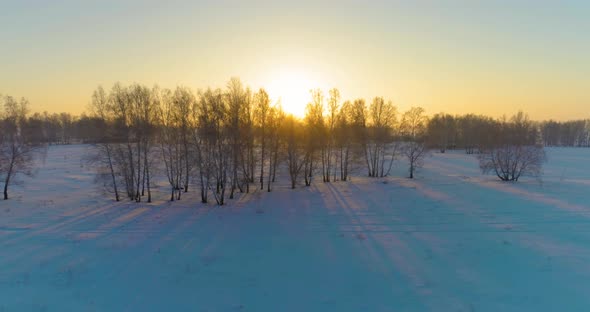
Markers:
<point>569,133</point>
<point>220,141</point>
<point>229,140</point>
<point>62,128</point>
<point>473,132</point>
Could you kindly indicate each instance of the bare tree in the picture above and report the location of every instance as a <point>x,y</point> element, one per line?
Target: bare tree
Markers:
<point>104,149</point>
<point>276,117</point>
<point>297,154</point>
<point>16,151</point>
<point>331,120</point>
<point>413,128</point>
<point>516,152</point>
<point>171,142</point>
<point>315,137</point>
<point>184,101</point>
<point>344,138</point>
<point>143,111</point>
<point>382,121</point>
<point>262,112</point>
<point>236,101</point>
<point>510,162</point>
<point>205,139</point>
<point>215,144</point>
<point>124,153</point>
<point>246,131</point>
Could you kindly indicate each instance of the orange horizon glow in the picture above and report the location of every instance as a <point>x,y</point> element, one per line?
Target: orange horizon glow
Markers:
<point>471,58</point>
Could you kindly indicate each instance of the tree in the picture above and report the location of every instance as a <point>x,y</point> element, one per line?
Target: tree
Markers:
<point>171,142</point>
<point>205,139</point>
<point>413,128</point>
<point>331,122</point>
<point>183,102</point>
<point>237,98</point>
<point>262,113</point>
<point>516,152</point>
<point>133,111</point>
<point>382,118</point>
<point>344,138</point>
<point>215,144</point>
<point>247,160</point>
<point>17,151</point>
<point>104,149</point>
<point>297,154</point>
<point>276,117</point>
<point>315,136</point>
<point>143,110</point>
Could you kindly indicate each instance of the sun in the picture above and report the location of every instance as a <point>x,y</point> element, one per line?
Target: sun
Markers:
<point>292,87</point>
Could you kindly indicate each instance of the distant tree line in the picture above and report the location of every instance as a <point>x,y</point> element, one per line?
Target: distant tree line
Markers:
<point>574,133</point>
<point>509,148</point>
<point>471,132</point>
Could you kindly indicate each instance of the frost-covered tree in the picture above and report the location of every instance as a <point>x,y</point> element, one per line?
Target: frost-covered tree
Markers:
<point>516,151</point>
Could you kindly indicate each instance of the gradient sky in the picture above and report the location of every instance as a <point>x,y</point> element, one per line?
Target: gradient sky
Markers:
<point>489,57</point>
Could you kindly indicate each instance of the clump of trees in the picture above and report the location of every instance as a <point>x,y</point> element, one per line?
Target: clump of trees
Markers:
<point>219,138</point>
<point>228,140</point>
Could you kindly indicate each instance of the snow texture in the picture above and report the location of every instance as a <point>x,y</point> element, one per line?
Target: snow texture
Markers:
<point>449,240</point>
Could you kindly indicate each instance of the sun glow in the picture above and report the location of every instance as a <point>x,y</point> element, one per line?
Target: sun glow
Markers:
<point>292,88</point>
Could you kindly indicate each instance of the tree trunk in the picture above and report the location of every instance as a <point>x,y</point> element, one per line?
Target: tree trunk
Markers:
<point>137,194</point>
<point>8,175</point>
<point>147,177</point>
<point>262,163</point>
<point>112,172</point>
<point>186,162</point>
<point>6,187</point>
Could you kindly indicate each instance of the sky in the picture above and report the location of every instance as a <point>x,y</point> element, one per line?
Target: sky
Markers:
<point>485,57</point>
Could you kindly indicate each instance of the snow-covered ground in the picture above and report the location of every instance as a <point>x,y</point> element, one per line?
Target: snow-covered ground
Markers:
<point>450,240</point>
